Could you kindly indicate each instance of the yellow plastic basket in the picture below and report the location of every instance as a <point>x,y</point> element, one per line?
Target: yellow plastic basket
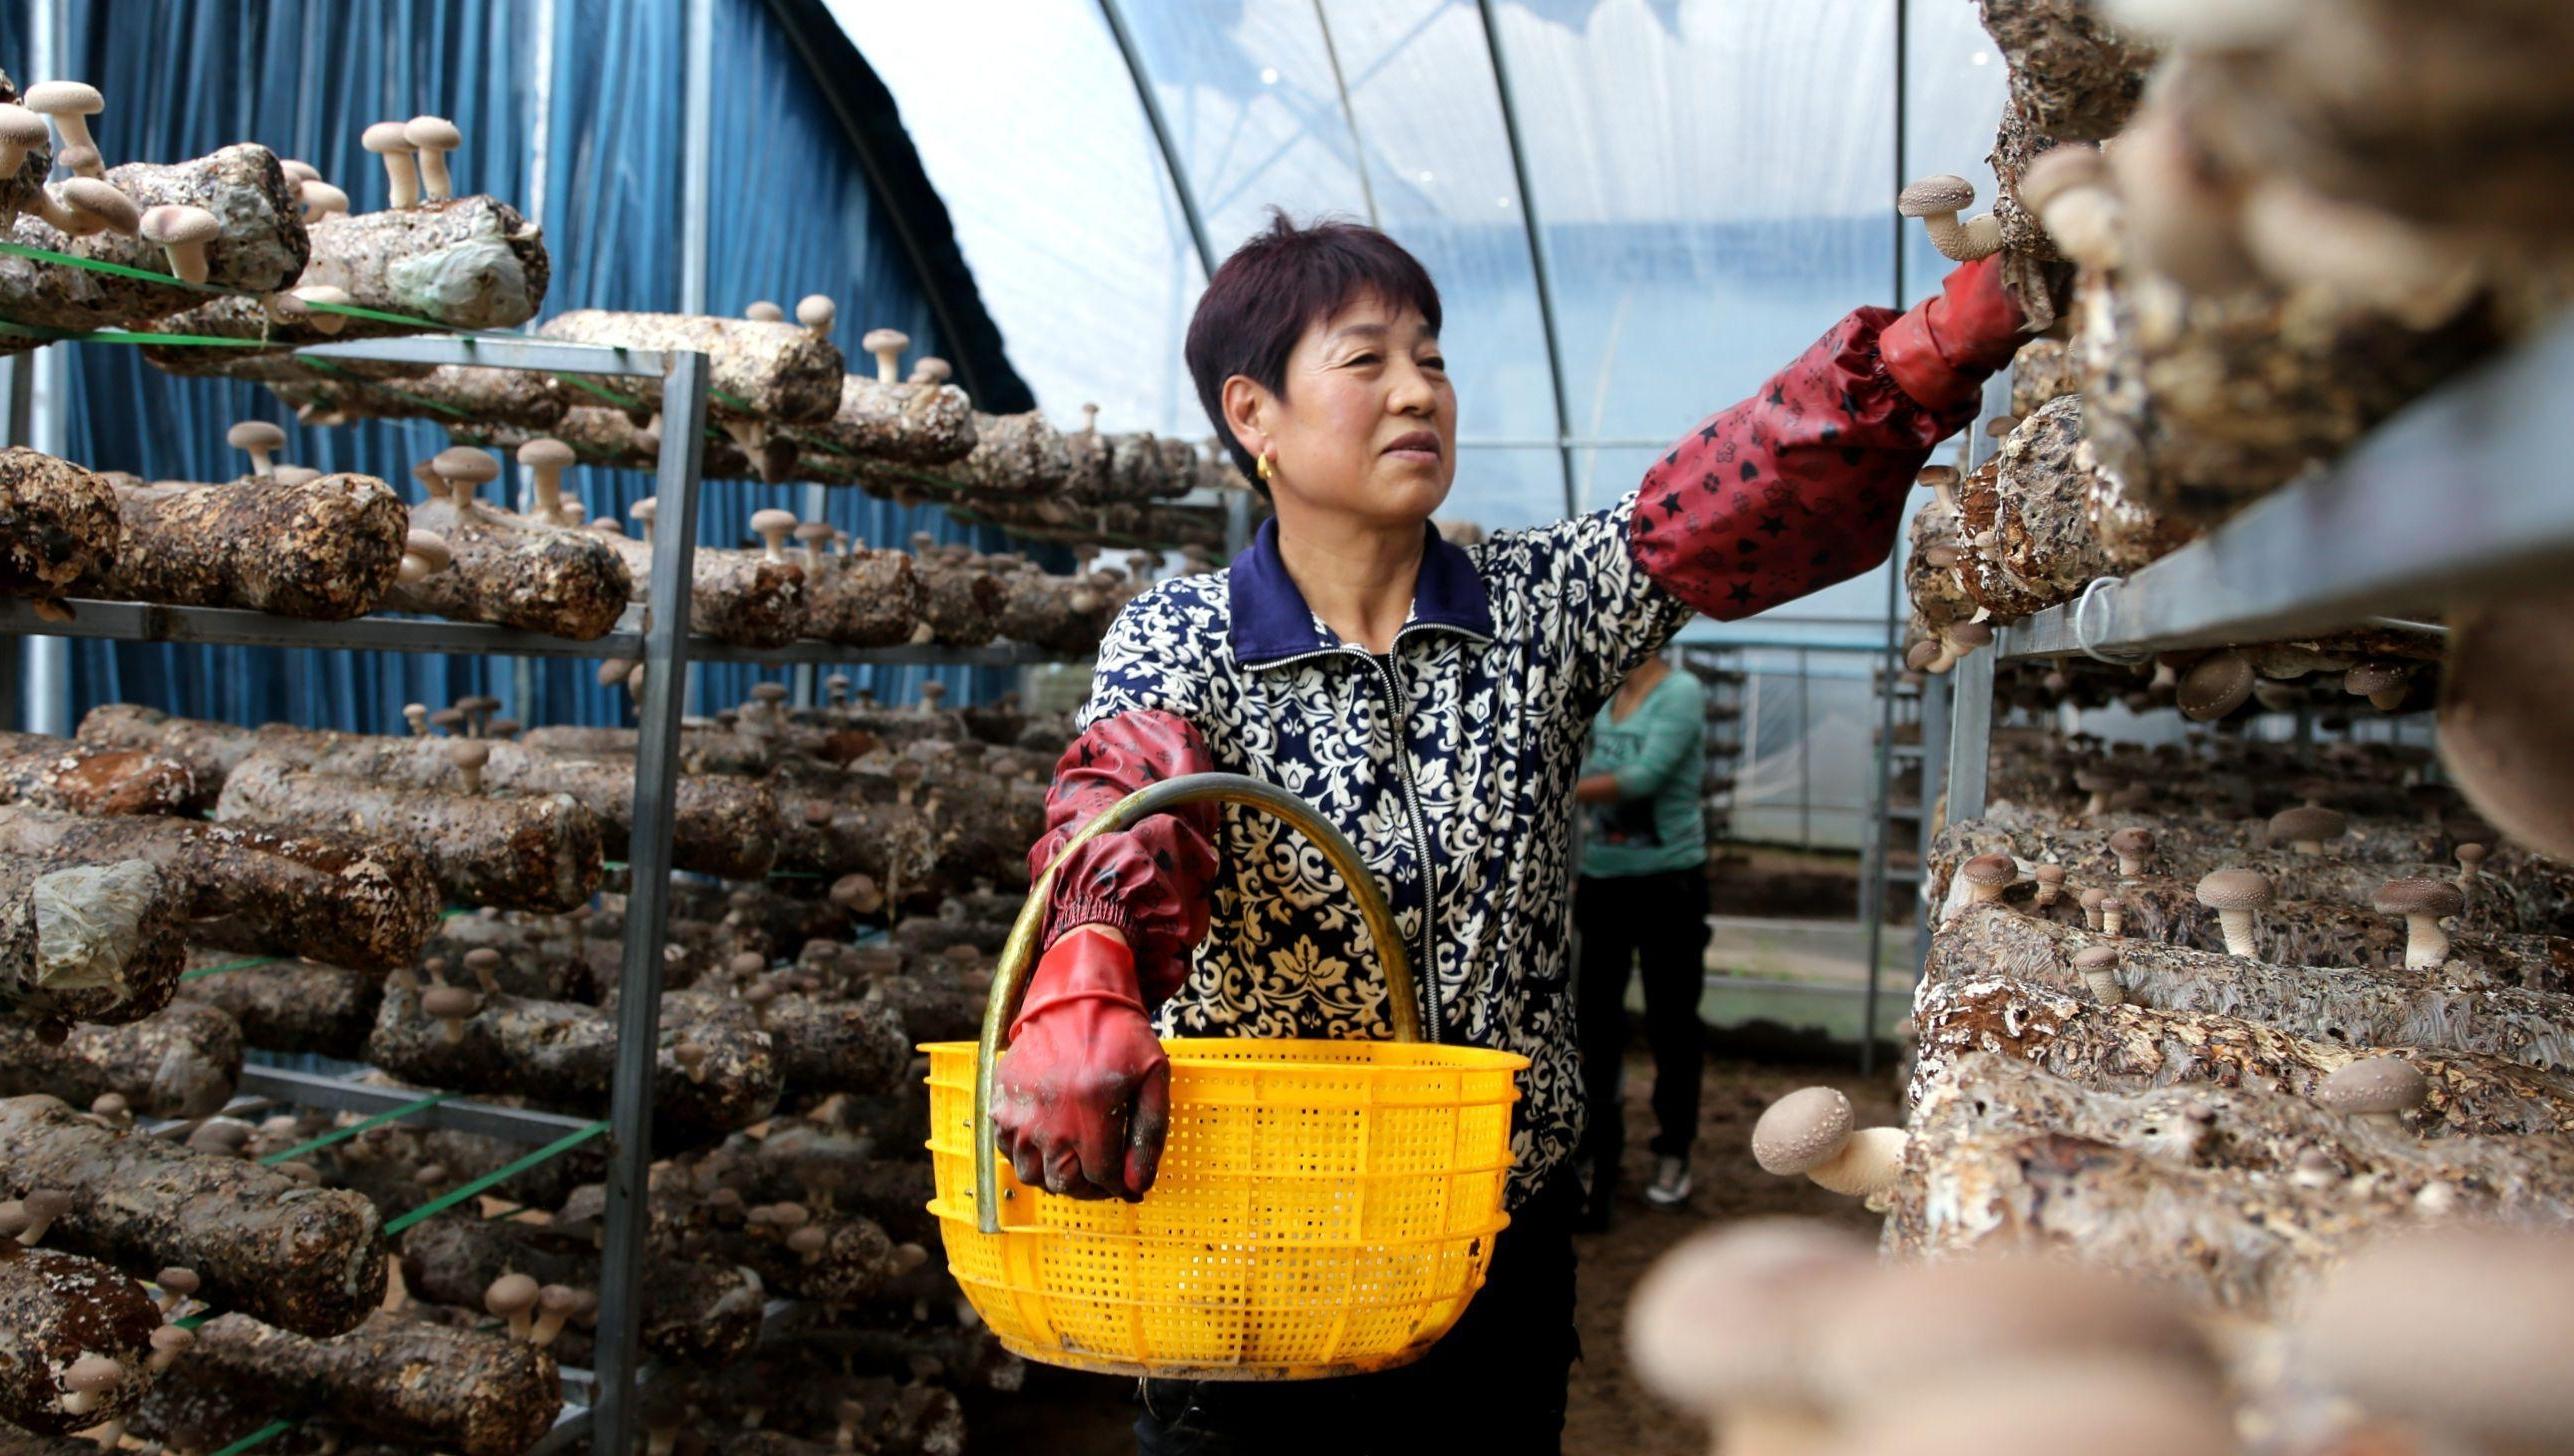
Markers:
<point>1323,1208</point>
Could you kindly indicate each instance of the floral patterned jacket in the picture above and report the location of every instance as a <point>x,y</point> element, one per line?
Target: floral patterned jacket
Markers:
<point>1450,761</point>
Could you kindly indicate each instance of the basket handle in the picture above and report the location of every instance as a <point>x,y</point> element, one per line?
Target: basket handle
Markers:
<point>1019,953</point>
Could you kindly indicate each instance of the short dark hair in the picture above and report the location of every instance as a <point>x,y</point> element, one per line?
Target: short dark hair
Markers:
<point>1263,298</point>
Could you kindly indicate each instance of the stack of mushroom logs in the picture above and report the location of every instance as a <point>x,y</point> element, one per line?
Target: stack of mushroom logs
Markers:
<point>786,1107</point>
<point>2263,269</point>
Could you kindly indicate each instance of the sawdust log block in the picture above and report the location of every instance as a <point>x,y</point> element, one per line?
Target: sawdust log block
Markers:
<point>262,249</point>
<point>181,1061</point>
<point>740,597</point>
<point>1059,613</point>
<point>450,394</point>
<point>325,550</point>
<point>693,1313</point>
<point>865,598</point>
<point>289,1005</point>
<point>58,522</point>
<point>58,1308</point>
<point>854,1262</point>
<point>2343,1005</point>
<point>307,1259</point>
<point>72,777</point>
<point>519,852</point>
<point>406,1380</point>
<point>830,1170</point>
<point>561,1056</point>
<point>820,1046</point>
<point>94,941</point>
<point>907,424</point>
<point>2135,1047</point>
<point>512,572</point>
<point>702,749</point>
<point>773,371</point>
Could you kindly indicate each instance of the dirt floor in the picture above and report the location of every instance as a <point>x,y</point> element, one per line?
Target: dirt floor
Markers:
<point>1065,1414</point>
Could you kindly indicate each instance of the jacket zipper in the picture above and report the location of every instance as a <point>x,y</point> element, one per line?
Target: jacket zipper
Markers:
<point>1428,973</point>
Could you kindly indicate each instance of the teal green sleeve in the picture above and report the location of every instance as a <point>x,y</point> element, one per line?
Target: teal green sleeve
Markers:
<point>1675,734</point>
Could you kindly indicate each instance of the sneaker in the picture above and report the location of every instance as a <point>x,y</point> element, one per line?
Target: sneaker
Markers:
<point>1670,1186</point>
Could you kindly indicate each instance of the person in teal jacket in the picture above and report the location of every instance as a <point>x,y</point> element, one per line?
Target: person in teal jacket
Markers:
<point>1642,898</point>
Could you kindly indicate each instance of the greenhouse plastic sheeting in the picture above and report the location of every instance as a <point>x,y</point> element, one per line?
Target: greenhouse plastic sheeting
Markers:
<point>1712,184</point>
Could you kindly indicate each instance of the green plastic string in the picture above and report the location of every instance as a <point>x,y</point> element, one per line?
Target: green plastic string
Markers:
<point>440,405</point>
<point>260,1437</point>
<point>202,972</point>
<point>121,270</point>
<point>343,1134</point>
<point>448,1200</point>
<point>127,336</point>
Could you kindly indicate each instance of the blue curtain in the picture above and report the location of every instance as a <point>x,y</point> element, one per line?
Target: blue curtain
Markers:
<point>305,77</point>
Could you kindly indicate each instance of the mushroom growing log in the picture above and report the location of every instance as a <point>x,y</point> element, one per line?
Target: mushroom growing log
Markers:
<point>98,941</point>
<point>2042,521</point>
<point>1059,613</point>
<point>960,600</point>
<point>740,597</point>
<point>406,1380</point>
<point>71,777</point>
<point>849,1260</point>
<point>58,522</point>
<point>774,371</point>
<point>508,570</point>
<point>2136,1047</point>
<point>290,1005</point>
<point>562,1056</point>
<point>820,1046</point>
<point>75,1337</point>
<point>864,598</point>
<point>721,826</point>
<point>802,1160</point>
<point>181,1061</point>
<point>209,749</point>
<point>519,852</point>
<point>692,1313</point>
<point>448,394</point>
<point>2347,1006</point>
<point>907,424</point>
<point>350,899</point>
<point>325,550</point>
<point>307,1259</point>
<point>702,749</point>
<point>261,246</point>
<point>473,263</point>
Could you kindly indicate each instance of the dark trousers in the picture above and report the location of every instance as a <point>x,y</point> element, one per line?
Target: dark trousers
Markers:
<point>1494,1385</point>
<point>1660,922</point>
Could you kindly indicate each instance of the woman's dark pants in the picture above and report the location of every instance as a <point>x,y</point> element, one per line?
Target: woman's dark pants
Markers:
<point>1493,1386</point>
<point>1660,922</point>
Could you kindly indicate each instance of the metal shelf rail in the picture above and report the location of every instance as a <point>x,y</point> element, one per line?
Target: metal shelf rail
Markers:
<point>2462,494</point>
<point>664,647</point>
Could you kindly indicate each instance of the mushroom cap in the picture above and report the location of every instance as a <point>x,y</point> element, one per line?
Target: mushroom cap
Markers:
<point>643,510</point>
<point>931,369</point>
<point>255,435</point>
<point>429,547</point>
<point>763,311</point>
<point>322,293</point>
<point>1935,476</point>
<point>772,519</point>
<point>1995,1311</point>
<point>295,475</point>
<point>2058,170</point>
<point>814,533</point>
<point>64,98</point>
<point>878,340</point>
<point>171,1339</point>
<point>178,224</point>
<point>1921,655</point>
<point>1723,1316</point>
<point>2472,854</point>
<point>445,1002</point>
<point>482,957</point>
<point>2372,1084</point>
<point>22,127</point>
<point>465,462</point>
<point>104,202</point>
<point>816,311</point>
<point>511,1294</point>
<point>558,1299</point>
<point>1938,193</point>
<point>2307,821</point>
<point>1989,869</point>
<point>2216,685</point>
<point>2047,874</point>
<point>2374,677</point>
<point>747,963</point>
<point>91,1374</point>
<point>469,752</point>
<point>2420,897</point>
<point>545,450</point>
<point>2462,1330</point>
<point>2096,958</point>
<point>46,1204</point>
<point>1806,1127</point>
<point>321,196</point>
<point>1973,634</point>
<point>386,136</point>
<point>2091,896</point>
<point>769,692</point>
<point>432,131</point>
<point>297,171</point>
<point>809,1239</point>
<point>2234,889</point>
<point>177,1280</point>
<point>2132,841</point>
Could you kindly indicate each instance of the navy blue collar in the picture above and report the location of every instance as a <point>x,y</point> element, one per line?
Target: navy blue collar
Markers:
<point>1272,623</point>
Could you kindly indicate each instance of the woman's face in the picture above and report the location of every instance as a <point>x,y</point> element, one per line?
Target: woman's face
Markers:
<point>1367,428</point>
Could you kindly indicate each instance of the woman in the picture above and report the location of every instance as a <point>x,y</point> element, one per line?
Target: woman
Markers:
<point>1432,701</point>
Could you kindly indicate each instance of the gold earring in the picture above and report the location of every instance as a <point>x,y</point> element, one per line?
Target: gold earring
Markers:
<point>1268,468</point>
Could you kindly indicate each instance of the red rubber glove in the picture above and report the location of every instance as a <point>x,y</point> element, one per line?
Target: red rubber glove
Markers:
<point>1082,1099</point>
<point>1942,348</point>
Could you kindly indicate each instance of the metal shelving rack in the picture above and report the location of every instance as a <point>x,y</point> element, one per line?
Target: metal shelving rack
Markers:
<point>2463,494</point>
<point>603,1402</point>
